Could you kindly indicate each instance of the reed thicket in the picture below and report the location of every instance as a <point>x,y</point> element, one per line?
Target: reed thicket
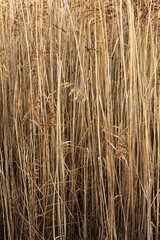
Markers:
<point>80,119</point>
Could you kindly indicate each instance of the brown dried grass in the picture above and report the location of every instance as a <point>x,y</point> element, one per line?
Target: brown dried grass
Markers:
<point>79,130</point>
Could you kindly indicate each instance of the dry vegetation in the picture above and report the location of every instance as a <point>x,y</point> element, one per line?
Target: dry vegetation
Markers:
<point>80,119</point>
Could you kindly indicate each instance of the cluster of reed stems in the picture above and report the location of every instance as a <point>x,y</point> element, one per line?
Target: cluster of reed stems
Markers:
<point>79,119</point>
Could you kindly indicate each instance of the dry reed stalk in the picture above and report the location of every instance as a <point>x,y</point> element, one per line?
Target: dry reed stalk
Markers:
<point>80,109</point>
